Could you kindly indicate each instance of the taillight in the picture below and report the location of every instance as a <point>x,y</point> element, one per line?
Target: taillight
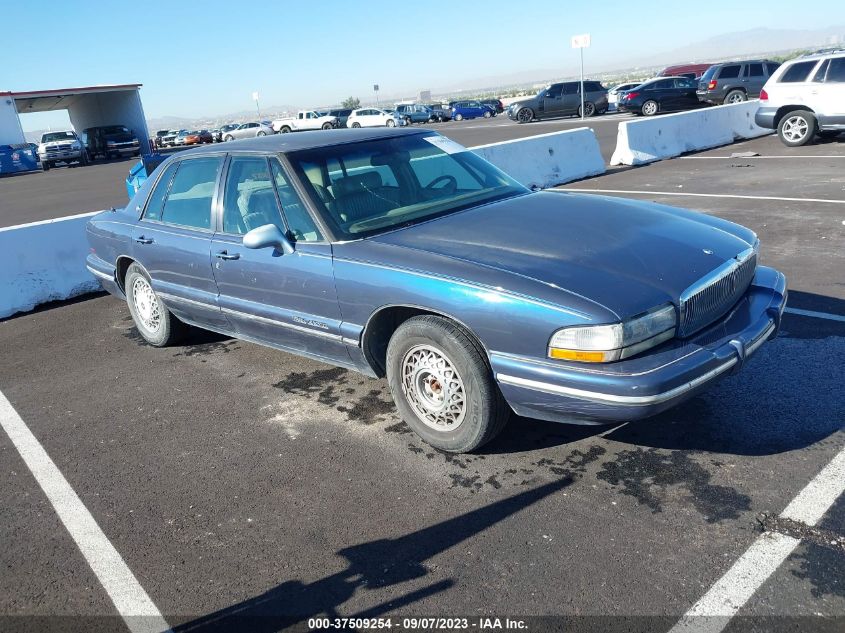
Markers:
<point>764,96</point>
<point>712,84</point>
<point>630,95</point>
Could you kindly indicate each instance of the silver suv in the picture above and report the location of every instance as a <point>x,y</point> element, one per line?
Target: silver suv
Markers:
<point>805,98</point>
<point>732,82</point>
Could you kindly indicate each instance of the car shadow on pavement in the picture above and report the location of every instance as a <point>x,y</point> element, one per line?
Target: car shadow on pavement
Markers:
<point>374,565</point>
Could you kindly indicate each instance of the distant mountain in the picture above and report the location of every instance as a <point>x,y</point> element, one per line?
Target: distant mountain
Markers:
<point>751,42</point>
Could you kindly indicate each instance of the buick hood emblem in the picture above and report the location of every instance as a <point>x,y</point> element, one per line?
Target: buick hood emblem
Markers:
<point>707,251</point>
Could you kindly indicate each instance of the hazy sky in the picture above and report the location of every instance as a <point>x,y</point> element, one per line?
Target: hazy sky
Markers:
<point>206,58</point>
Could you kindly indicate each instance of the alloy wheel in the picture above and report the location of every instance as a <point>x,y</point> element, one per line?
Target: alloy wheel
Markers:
<point>433,388</point>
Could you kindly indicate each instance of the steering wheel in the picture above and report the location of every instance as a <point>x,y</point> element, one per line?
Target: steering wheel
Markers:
<point>451,186</point>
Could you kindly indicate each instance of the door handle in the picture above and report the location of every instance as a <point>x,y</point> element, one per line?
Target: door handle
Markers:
<point>144,240</point>
<point>225,255</point>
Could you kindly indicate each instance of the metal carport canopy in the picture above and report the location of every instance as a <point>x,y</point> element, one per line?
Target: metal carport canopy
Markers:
<point>90,106</point>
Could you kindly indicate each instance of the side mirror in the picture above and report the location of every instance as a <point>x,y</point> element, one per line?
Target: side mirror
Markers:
<point>268,235</point>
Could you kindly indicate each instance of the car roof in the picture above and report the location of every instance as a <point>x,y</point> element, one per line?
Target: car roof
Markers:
<point>815,56</point>
<point>746,61</point>
<point>284,143</point>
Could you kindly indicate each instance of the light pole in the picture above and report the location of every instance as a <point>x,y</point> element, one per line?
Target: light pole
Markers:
<point>375,89</point>
<point>581,42</point>
<point>257,108</point>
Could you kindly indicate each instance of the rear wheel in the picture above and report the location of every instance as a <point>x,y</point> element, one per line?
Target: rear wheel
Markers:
<point>356,124</point>
<point>443,386</point>
<point>797,128</point>
<point>735,96</point>
<point>153,320</point>
<point>589,109</point>
<point>261,133</point>
<point>327,126</point>
<point>650,108</point>
<point>525,115</point>
<point>459,117</point>
<point>487,114</point>
<point>228,137</point>
<point>285,129</point>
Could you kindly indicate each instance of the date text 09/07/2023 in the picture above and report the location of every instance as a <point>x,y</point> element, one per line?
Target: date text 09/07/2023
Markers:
<point>418,623</point>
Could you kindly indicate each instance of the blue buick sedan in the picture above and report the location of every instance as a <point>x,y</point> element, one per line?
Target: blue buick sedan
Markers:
<point>399,253</point>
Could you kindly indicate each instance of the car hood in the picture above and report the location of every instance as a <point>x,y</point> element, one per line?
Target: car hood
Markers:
<point>119,137</point>
<point>625,255</point>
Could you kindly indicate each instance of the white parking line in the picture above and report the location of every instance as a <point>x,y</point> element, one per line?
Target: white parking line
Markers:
<point>816,315</point>
<point>697,195</point>
<point>727,596</point>
<point>129,598</point>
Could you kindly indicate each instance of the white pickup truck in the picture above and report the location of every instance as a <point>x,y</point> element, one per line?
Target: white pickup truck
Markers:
<point>305,120</point>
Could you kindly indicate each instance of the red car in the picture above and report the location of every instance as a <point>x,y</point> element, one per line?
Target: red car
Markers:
<point>199,137</point>
<point>692,71</point>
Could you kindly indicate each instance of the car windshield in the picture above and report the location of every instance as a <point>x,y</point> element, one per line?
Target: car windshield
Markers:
<point>57,136</point>
<point>366,188</point>
<point>115,129</point>
<point>708,74</point>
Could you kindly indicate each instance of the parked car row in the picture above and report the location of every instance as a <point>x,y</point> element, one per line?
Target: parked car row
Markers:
<point>176,138</point>
<point>108,141</point>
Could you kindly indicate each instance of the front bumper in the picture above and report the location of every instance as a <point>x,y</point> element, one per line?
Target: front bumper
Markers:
<point>765,117</point>
<point>123,148</point>
<point>652,382</point>
<point>62,155</point>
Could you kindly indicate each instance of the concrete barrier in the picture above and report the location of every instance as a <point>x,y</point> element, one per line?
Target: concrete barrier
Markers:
<point>646,140</point>
<point>547,160</point>
<point>43,261</point>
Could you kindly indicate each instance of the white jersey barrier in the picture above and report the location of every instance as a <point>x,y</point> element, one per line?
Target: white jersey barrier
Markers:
<point>43,261</point>
<point>547,160</point>
<point>646,140</point>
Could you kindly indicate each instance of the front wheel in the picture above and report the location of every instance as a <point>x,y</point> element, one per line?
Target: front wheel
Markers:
<point>327,126</point>
<point>153,320</point>
<point>391,123</point>
<point>797,128</point>
<point>285,130</point>
<point>650,108</point>
<point>443,386</point>
<point>228,137</point>
<point>356,125</point>
<point>261,133</point>
<point>525,115</point>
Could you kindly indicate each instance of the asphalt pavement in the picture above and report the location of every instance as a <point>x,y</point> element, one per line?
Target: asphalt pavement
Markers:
<point>251,489</point>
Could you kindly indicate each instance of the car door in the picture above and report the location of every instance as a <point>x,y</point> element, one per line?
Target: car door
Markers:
<point>552,101</point>
<point>286,300</point>
<point>172,240</point>
<point>827,97</point>
<point>753,78</point>
<point>686,93</point>
<point>666,95</point>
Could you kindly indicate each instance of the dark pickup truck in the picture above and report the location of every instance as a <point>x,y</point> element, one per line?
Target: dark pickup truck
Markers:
<point>111,141</point>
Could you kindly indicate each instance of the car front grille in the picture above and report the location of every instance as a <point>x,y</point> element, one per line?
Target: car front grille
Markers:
<point>713,295</point>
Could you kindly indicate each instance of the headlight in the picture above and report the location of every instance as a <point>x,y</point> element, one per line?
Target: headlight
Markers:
<point>608,343</point>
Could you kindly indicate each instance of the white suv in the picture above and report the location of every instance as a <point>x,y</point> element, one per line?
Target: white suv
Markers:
<point>805,97</point>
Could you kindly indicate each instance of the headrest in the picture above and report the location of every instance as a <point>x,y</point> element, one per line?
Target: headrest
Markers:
<point>357,182</point>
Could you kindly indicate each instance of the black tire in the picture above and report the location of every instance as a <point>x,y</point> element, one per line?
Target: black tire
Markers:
<point>589,109</point>
<point>45,165</point>
<point>797,128</point>
<point>484,412</point>
<point>169,329</point>
<point>650,108</point>
<point>525,115</point>
<point>228,137</point>
<point>261,133</point>
<point>459,117</point>
<point>487,114</point>
<point>735,96</point>
<point>356,124</point>
<point>284,129</point>
<point>390,123</point>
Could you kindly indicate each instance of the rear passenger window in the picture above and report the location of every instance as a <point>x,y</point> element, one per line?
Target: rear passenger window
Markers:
<point>797,72</point>
<point>771,68</point>
<point>754,70</point>
<point>156,199</point>
<point>836,72</point>
<point>730,72</point>
<point>571,88</point>
<point>189,200</point>
<point>818,76</point>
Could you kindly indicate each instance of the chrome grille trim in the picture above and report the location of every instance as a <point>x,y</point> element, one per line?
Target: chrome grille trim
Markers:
<point>714,294</point>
